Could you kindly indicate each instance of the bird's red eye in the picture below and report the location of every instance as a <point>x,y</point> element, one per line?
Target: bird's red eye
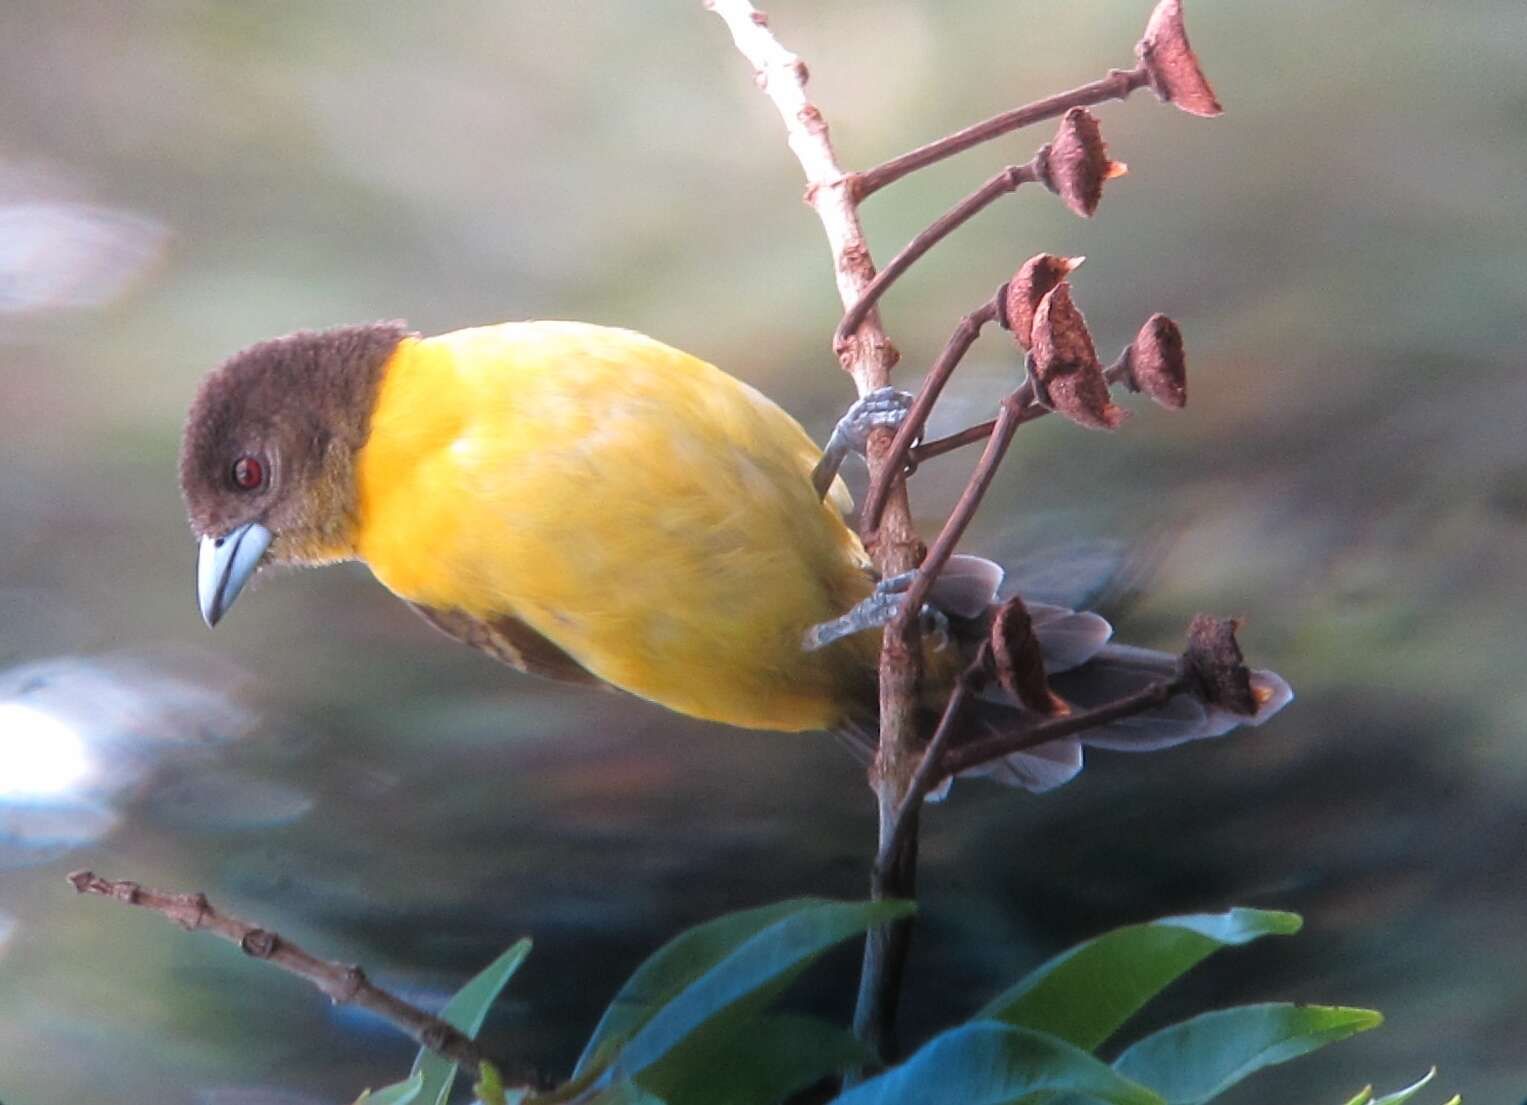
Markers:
<point>248,473</point>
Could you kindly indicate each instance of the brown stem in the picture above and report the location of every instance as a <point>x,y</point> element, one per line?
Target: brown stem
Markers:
<point>886,948</point>
<point>344,984</point>
<point>986,751</point>
<point>1031,409</point>
<point>868,358</point>
<point>1008,180</point>
<point>1009,418</point>
<point>929,771</point>
<point>1116,86</point>
<point>899,839</point>
<point>959,343</point>
<point>941,445</point>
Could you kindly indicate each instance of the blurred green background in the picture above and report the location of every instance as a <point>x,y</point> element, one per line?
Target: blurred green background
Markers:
<point>1345,250</point>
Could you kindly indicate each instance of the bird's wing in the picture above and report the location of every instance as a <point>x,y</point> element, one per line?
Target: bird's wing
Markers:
<point>512,642</point>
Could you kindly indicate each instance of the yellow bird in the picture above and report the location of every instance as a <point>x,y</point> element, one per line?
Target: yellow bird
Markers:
<point>590,504</point>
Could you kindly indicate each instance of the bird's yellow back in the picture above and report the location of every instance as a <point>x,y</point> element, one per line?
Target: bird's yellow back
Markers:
<point>647,513</point>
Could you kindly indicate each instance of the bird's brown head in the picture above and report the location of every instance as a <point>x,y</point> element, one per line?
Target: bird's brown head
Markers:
<point>267,465</point>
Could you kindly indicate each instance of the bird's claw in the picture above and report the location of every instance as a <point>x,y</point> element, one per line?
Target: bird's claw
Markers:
<point>885,406</point>
<point>876,612</point>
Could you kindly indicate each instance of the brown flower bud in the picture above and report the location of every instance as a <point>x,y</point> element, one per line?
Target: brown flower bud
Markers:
<point>1017,662</point>
<point>1213,658</point>
<point>1075,165</point>
<point>1175,74</point>
<point>1028,286</point>
<point>1067,376</point>
<point>1155,364</point>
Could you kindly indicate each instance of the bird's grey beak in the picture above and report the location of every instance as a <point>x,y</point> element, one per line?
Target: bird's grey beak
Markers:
<point>225,565</point>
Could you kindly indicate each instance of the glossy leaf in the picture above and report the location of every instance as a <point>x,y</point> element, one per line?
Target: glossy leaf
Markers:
<point>466,1010</point>
<point>489,1089</point>
<point>987,1063</point>
<point>752,1061</point>
<point>1083,995</point>
<point>1198,1059</point>
<point>671,968</point>
<point>1399,1097</point>
<point>399,1093</point>
<point>752,972</point>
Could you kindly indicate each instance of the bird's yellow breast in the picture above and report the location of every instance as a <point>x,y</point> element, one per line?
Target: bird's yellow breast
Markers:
<point>647,513</point>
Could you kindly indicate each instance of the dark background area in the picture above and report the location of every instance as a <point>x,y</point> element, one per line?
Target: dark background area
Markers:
<point>1345,250</point>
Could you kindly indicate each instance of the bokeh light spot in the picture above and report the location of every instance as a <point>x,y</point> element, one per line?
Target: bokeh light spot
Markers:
<point>40,756</point>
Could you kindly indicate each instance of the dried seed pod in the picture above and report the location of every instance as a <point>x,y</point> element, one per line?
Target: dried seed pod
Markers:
<point>1018,663</point>
<point>1028,286</point>
<point>1075,164</point>
<point>1175,74</point>
<point>1214,659</point>
<point>1155,363</point>
<point>1067,376</point>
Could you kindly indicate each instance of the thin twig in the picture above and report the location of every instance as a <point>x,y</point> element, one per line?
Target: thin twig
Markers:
<point>1116,86</point>
<point>886,948</point>
<point>939,762</point>
<point>343,983</point>
<point>896,865</point>
<point>949,443</point>
<point>782,76</point>
<point>1008,420</point>
<point>929,770</point>
<point>963,337</point>
<point>991,749</point>
<point>1032,409</point>
<point>868,358</point>
<point>1008,180</point>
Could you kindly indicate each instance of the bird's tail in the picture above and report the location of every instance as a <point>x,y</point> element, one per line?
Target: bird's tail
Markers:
<point>1086,670</point>
<point>1110,673</point>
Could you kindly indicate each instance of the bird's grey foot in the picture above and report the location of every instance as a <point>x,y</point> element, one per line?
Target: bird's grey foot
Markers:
<point>876,612</point>
<point>883,407</point>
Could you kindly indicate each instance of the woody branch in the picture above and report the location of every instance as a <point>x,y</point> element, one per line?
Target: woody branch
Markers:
<point>342,983</point>
<point>868,356</point>
<point>1074,166</point>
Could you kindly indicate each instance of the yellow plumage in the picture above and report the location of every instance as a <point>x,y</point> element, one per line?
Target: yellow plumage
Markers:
<point>592,505</point>
<point>647,513</point>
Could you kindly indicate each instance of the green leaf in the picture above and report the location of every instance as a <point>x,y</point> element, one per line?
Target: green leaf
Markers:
<point>1399,1097</point>
<point>752,1061</point>
<point>490,1086</point>
<point>1200,1058</point>
<point>399,1093</point>
<point>489,1089</point>
<point>987,1063</point>
<point>752,971</point>
<point>624,1092</point>
<point>466,1011</point>
<point>671,968</point>
<point>1083,995</point>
